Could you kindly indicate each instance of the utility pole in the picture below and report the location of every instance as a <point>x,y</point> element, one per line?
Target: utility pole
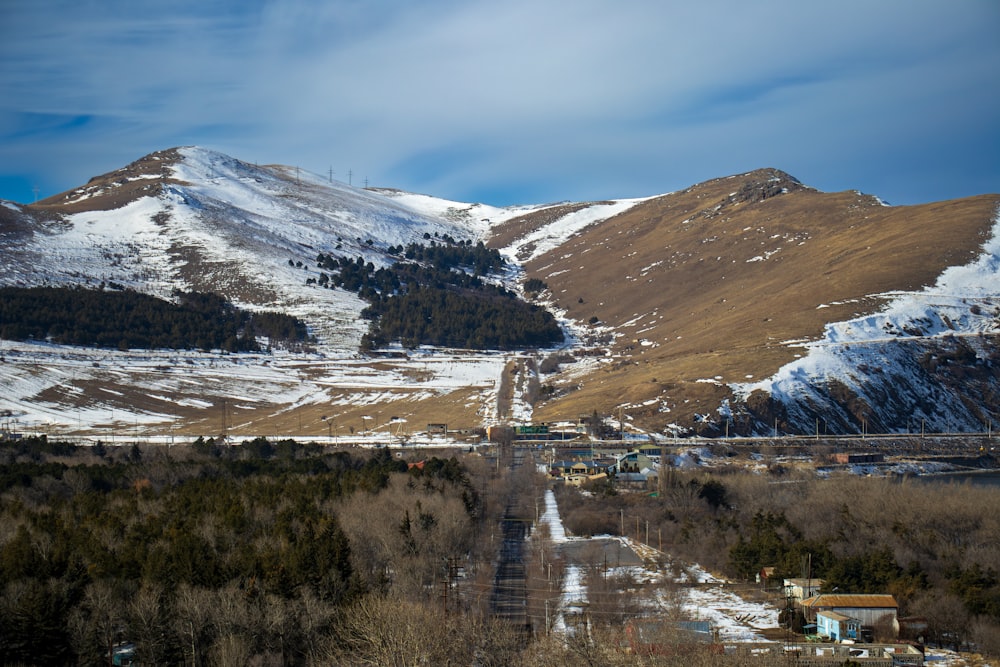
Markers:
<point>350,176</point>
<point>661,471</point>
<point>331,173</point>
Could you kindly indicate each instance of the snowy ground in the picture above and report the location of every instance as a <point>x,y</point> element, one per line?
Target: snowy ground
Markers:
<point>68,390</point>
<point>945,658</point>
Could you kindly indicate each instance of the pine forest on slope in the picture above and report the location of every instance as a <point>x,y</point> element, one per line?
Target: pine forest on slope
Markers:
<point>129,320</point>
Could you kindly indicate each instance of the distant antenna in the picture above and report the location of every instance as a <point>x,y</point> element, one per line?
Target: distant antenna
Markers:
<point>350,175</point>
<point>296,175</point>
<point>331,174</point>
<point>36,190</point>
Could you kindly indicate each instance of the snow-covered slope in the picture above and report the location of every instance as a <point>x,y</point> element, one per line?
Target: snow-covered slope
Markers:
<point>889,370</point>
<point>191,218</point>
<point>214,223</point>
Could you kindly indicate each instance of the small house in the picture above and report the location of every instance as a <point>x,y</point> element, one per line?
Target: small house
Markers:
<point>642,480</point>
<point>581,479</point>
<point>651,450</point>
<point>874,612</point>
<point>837,627</point>
<point>765,577</point>
<point>798,590</point>
<point>568,468</point>
<point>633,462</point>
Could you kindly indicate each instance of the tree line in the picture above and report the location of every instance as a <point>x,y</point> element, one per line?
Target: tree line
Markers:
<point>440,295</point>
<point>219,554</point>
<point>126,319</point>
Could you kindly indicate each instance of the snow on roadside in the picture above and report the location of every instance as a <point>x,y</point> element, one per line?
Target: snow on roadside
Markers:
<point>704,597</point>
<point>574,595</point>
<point>557,533</point>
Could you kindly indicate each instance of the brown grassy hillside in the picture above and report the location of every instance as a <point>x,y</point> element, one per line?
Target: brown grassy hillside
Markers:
<point>709,282</point>
<point>114,189</point>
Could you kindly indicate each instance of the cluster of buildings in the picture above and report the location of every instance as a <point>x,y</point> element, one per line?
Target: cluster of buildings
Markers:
<point>638,468</point>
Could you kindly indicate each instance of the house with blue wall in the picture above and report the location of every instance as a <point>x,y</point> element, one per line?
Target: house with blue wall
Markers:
<point>837,627</point>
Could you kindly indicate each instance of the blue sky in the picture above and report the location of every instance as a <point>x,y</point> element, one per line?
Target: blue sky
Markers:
<point>522,101</point>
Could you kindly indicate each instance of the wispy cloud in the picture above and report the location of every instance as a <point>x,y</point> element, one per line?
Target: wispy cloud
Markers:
<point>512,102</point>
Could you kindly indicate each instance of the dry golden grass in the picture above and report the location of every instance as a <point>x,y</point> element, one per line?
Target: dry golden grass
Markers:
<point>712,281</point>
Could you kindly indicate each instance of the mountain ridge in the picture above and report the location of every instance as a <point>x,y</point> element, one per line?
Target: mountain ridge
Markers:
<point>685,309</point>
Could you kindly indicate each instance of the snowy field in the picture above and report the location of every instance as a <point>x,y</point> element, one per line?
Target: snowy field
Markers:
<point>44,385</point>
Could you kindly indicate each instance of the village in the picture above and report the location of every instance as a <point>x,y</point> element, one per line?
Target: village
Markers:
<point>799,619</point>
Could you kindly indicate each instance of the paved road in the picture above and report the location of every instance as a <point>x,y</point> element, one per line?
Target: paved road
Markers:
<point>599,550</point>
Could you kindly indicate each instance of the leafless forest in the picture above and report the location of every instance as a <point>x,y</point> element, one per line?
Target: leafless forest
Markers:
<point>279,553</point>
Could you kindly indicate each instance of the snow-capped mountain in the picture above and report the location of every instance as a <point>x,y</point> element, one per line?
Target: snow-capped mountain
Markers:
<point>191,218</point>
<point>742,304</point>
